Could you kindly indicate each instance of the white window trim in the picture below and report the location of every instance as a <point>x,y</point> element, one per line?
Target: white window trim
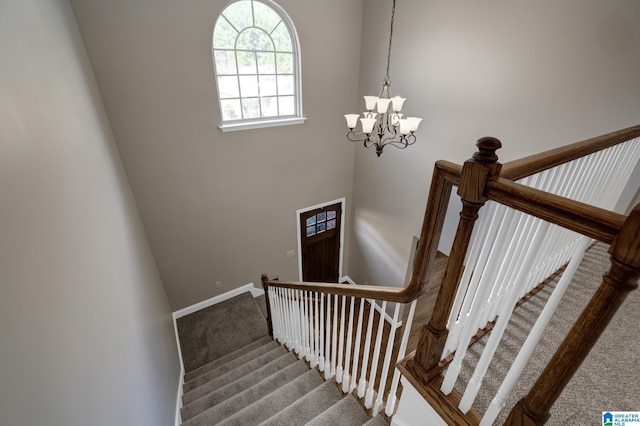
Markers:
<point>265,122</point>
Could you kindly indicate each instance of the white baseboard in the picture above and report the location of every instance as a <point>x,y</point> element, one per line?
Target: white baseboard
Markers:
<point>255,292</point>
<point>377,307</point>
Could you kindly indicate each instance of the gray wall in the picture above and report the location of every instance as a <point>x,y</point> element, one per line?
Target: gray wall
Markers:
<point>85,326</point>
<point>534,74</point>
<point>220,207</point>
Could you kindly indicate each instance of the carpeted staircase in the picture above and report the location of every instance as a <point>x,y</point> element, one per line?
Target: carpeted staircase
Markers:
<point>235,374</point>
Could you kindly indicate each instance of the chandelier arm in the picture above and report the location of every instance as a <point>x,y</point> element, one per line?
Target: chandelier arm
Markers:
<point>404,142</point>
<point>356,137</point>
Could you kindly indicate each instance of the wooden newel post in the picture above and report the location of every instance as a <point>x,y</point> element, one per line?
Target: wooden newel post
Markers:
<point>476,172</point>
<point>616,285</point>
<point>265,287</point>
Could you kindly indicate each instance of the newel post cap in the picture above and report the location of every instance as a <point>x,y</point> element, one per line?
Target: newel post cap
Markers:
<point>487,147</point>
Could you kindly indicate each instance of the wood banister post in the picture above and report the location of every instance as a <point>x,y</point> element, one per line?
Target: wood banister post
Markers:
<point>265,287</point>
<point>476,172</point>
<point>616,285</point>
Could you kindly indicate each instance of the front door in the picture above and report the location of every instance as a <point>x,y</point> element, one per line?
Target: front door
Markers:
<point>320,243</point>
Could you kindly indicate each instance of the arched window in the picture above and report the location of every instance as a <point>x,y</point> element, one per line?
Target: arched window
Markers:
<point>256,58</point>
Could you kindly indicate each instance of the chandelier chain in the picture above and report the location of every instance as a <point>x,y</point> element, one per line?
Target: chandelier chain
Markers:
<point>393,12</point>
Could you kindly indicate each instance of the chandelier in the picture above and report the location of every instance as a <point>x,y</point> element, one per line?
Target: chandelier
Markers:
<point>382,123</point>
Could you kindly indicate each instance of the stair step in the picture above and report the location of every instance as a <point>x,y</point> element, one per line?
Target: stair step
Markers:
<point>215,331</point>
<point>307,407</point>
<point>232,375</point>
<point>255,412</point>
<point>346,412</point>
<point>284,367</point>
<point>225,359</point>
<point>377,421</point>
<point>230,365</point>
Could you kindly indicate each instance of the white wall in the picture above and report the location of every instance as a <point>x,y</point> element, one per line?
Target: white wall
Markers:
<point>220,207</point>
<point>536,75</point>
<point>85,326</point>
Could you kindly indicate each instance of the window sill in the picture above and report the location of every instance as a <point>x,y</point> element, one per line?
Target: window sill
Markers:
<point>232,127</point>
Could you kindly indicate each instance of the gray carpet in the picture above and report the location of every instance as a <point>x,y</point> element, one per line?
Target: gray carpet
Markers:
<point>609,378</point>
<point>258,384</point>
<point>216,331</point>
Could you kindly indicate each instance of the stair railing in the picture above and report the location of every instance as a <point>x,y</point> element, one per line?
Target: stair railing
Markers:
<point>320,327</point>
<point>479,180</point>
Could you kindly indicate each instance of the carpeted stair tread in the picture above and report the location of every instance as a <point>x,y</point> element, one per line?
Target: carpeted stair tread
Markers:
<point>346,412</point>
<point>225,359</point>
<point>284,367</point>
<point>377,421</point>
<point>218,330</point>
<point>233,375</point>
<point>231,412</point>
<point>307,407</point>
<point>231,365</point>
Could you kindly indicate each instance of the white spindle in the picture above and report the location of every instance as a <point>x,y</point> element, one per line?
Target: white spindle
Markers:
<point>391,398</point>
<point>321,358</point>
<point>308,326</point>
<point>471,278</point>
<point>327,345</point>
<point>368,401</point>
<point>316,338</point>
<point>458,315</point>
<point>339,370</point>
<point>365,359</point>
<point>387,360</point>
<point>356,351</point>
<point>346,382</point>
<point>334,341</point>
<point>534,336</point>
<point>498,330</point>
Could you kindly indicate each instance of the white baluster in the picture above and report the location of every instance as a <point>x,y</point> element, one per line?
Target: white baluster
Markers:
<point>346,382</point>
<point>387,361</point>
<point>392,398</point>
<point>314,338</point>
<point>498,330</point>
<point>306,317</point>
<point>368,401</point>
<point>334,341</point>
<point>321,338</point>
<point>365,359</point>
<point>339,370</point>
<point>459,312</point>
<point>528,347</point>
<point>356,350</point>
<point>327,356</point>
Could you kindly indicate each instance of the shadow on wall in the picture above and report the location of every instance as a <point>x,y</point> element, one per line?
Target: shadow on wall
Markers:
<point>384,259</point>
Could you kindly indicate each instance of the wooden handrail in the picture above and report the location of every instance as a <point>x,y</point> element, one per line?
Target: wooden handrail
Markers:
<point>532,164</point>
<point>594,222</point>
